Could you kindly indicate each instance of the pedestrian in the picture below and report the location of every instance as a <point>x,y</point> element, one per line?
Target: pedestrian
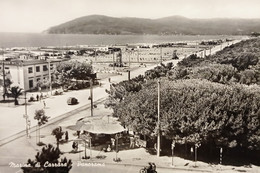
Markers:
<point>78,133</point>
<point>113,143</point>
<point>108,148</point>
<point>191,152</point>
<point>75,146</point>
<point>41,96</point>
<point>66,136</point>
<point>37,97</point>
<point>109,80</point>
<point>132,142</point>
<point>60,128</point>
<point>29,128</point>
<point>44,104</point>
<point>153,167</point>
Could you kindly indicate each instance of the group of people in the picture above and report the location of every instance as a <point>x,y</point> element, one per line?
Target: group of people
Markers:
<point>110,147</point>
<point>38,98</point>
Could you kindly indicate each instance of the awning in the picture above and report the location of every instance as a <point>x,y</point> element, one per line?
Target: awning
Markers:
<point>103,125</point>
<point>96,125</point>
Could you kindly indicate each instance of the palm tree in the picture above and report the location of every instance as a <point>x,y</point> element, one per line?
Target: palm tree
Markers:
<point>15,93</point>
<point>58,133</point>
<point>41,118</point>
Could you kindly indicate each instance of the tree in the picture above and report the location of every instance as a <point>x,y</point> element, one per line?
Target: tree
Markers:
<point>159,71</point>
<point>41,118</point>
<point>119,91</point>
<point>7,83</point>
<point>68,72</point>
<point>190,61</point>
<point>244,60</point>
<point>220,73</point>
<point>48,161</point>
<point>15,92</point>
<point>58,133</point>
<point>195,111</point>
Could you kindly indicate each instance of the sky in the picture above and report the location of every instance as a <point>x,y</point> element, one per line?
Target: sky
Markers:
<point>39,15</point>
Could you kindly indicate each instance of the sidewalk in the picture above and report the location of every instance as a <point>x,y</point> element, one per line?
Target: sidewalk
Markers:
<point>137,157</point>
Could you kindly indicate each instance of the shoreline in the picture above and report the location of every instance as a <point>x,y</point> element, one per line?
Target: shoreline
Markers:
<point>26,40</point>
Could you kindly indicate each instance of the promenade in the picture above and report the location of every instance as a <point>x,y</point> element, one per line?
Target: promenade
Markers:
<point>15,147</point>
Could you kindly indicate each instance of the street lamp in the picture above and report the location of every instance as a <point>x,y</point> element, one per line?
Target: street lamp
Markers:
<point>161,54</point>
<point>4,86</point>
<point>158,135</point>
<point>172,146</point>
<point>27,122</point>
<point>117,159</point>
<point>87,139</point>
<point>91,98</point>
<point>113,59</point>
<point>220,155</point>
<point>49,66</point>
<point>129,62</point>
<point>197,145</point>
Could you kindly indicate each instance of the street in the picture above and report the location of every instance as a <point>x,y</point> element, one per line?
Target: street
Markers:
<point>108,168</point>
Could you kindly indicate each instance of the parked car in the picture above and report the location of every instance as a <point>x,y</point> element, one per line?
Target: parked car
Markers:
<point>72,101</point>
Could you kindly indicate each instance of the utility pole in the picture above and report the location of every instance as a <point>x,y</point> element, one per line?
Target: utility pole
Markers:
<point>172,147</point>
<point>197,145</point>
<point>129,77</point>
<point>138,55</point>
<point>4,87</point>
<point>129,59</point>
<point>161,54</point>
<point>158,136</point>
<point>95,55</point>
<point>26,116</point>
<point>220,155</point>
<point>49,66</point>
<point>91,98</point>
<point>113,59</point>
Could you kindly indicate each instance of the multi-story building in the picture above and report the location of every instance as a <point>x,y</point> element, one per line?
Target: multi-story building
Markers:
<point>28,73</point>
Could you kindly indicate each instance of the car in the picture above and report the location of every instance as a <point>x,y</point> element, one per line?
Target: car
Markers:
<point>72,101</point>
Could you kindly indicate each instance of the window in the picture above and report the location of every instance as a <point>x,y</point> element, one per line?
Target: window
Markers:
<point>45,68</point>
<point>30,83</point>
<point>30,69</point>
<point>37,68</point>
<point>51,66</point>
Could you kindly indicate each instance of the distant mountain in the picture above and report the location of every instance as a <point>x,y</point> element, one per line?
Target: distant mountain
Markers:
<point>99,24</point>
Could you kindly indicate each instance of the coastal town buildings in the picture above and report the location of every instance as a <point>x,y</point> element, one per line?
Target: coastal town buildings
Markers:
<point>28,73</point>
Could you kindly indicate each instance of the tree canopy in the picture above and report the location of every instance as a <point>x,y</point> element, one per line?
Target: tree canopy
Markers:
<point>196,110</point>
<point>67,72</point>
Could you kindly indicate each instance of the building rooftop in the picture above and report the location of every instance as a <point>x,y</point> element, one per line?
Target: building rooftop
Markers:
<point>18,62</point>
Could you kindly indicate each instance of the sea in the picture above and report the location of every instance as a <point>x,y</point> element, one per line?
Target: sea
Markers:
<point>9,40</point>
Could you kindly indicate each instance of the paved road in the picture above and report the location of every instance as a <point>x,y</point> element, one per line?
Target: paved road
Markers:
<point>108,168</point>
<point>124,169</point>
